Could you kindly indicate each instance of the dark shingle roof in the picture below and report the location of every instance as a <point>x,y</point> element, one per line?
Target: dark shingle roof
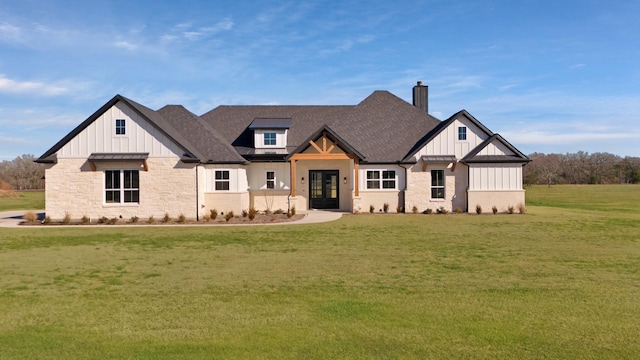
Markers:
<point>268,123</point>
<point>516,157</point>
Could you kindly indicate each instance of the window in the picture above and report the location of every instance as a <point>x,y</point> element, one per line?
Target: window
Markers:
<point>271,180</point>
<point>222,180</point>
<point>437,184</point>
<point>120,127</point>
<point>376,178</point>
<point>269,138</point>
<point>462,133</point>
<point>122,186</point>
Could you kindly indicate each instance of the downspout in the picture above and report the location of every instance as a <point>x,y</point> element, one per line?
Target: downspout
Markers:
<point>404,191</point>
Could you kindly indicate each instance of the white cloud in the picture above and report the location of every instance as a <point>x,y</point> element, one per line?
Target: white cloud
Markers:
<point>29,87</point>
<point>10,32</point>
<point>125,45</point>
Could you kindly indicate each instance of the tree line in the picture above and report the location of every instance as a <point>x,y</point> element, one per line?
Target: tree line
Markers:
<point>22,173</point>
<point>581,168</point>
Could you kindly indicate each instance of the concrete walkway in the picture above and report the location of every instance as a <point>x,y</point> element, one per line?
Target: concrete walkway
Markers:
<point>12,219</point>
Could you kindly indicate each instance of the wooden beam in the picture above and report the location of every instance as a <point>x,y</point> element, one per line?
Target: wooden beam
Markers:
<point>293,177</point>
<point>145,165</point>
<point>92,165</point>
<point>330,148</point>
<point>424,166</point>
<point>320,157</point>
<point>453,167</point>
<point>315,146</point>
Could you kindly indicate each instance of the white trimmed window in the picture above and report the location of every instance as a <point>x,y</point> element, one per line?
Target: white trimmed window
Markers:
<point>269,138</point>
<point>271,179</point>
<point>122,187</point>
<point>120,127</point>
<point>437,184</point>
<point>462,133</point>
<point>381,179</point>
<point>222,180</point>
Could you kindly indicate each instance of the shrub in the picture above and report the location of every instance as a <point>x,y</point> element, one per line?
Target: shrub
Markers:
<point>47,220</point>
<point>134,219</point>
<point>152,220</point>
<point>229,215</point>
<point>103,220</point>
<point>85,219</point>
<point>522,209</point>
<point>166,218</point>
<point>268,212</point>
<point>279,212</point>
<point>293,210</point>
<point>213,213</point>
<point>442,210</point>
<point>30,216</point>
<point>67,218</point>
<point>458,210</point>
<point>245,213</point>
<point>414,209</point>
<point>289,215</point>
<point>252,213</point>
<point>494,209</point>
<point>399,209</point>
<point>385,207</point>
<point>428,211</point>
<point>206,218</point>
<point>478,209</point>
<point>372,208</point>
<point>182,219</point>
<point>510,209</point>
<point>112,221</point>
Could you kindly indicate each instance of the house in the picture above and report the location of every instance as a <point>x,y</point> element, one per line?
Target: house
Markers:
<point>128,160</point>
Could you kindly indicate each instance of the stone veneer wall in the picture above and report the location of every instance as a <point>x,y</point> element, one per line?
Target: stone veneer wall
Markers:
<point>501,199</point>
<point>378,199</point>
<point>168,187</point>
<point>418,192</point>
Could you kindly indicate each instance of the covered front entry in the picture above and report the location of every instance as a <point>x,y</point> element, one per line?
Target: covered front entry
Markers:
<point>324,189</point>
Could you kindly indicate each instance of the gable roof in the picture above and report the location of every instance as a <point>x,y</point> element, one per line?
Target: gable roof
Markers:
<point>157,121</point>
<point>439,128</point>
<point>333,136</point>
<point>382,127</point>
<point>517,157</point>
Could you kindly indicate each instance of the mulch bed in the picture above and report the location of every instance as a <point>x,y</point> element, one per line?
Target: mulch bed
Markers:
<point>220,220</point>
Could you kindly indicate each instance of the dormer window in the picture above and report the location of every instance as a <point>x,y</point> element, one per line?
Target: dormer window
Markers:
<point>269,138</point>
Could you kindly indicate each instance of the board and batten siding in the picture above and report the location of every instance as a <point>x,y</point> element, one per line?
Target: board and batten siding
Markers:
<point>237,178</point>
<point>447,143</point>
<point>100,136</point>
<point>495,177</point>
<point>495,148</point>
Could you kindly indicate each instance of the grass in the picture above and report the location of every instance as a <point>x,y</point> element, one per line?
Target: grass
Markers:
<point>28,200</point>
<point>559,282</point>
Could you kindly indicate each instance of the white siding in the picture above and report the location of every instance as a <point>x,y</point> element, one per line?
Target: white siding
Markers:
<point>281,139</point>
<point>257,173</point>
<point>100,136</point>
<point>362,177</point>
<point>495,177</point>
<point>237,178</point>
<point>495,148</point>
<point>447,143</point>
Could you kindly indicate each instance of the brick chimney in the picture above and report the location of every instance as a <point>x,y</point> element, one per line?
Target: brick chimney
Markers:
<point>421,97</point>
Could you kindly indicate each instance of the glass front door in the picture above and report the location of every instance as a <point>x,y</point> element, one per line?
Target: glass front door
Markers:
<point>323,188</point>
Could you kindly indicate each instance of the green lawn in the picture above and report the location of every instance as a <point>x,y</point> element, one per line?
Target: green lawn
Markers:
<point>560,282</point>
<point>28,200</point>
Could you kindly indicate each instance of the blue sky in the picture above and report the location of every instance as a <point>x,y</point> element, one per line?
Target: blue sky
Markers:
<point>550,76</point>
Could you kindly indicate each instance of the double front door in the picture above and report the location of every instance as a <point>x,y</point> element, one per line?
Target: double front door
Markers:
<point>323,187</point>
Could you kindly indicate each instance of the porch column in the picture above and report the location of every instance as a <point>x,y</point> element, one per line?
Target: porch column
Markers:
<point>293,177</point>
<point>356,186</point>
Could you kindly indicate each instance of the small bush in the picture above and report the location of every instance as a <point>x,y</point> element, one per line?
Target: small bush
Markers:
<point>47,220</point>
<point>293,210</point>
<point>206,218</point>
<point>67,218</point>
<point>399,209</point>
<point>134,219</point>
<point>182,219</point>
<point>30,216</point>
<point>213,213</point>
<point>85,219</point>
<point>245,213</point>
<point>112,221</point>
<point>510,209</point>
<point>428,211</point>
<point>229,215</point>
<point>414,209</point>
<point>442,210</point>
<point>152,220</point>
<point>252,213</point>
<point>372,208</point>
<point>522,209</point>
<point>458,210</point>
<point>478,209</point>
<point>279,212</point>
<point>268,212</point>
<point>289,215</point>
<point>166,218</point>
<point>385,207</point>
<point>494,209</point>
<point>103,220</point>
